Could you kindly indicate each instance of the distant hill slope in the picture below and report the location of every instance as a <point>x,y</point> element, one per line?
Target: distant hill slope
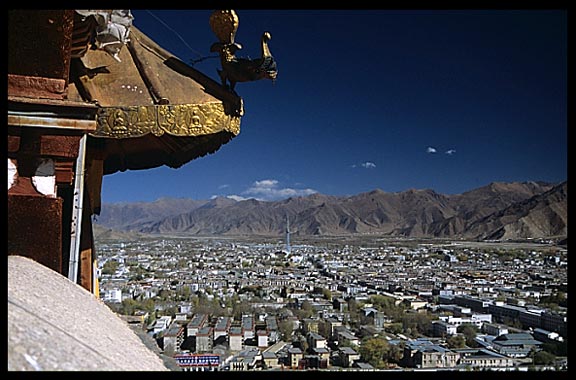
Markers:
<point>121,215</point>
<point>495,211</point>
<point>102,233</point>
<point>543,215</point>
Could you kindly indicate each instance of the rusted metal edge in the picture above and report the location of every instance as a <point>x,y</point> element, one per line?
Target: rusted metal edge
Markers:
<point>41,87</point>
<point>51,122</point>
<point>52,102</point>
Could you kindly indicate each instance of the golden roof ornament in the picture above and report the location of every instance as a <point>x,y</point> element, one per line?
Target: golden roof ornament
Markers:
<point>224,24</point>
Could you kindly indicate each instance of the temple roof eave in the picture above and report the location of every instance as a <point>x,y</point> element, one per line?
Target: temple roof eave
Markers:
<point>149,96</point>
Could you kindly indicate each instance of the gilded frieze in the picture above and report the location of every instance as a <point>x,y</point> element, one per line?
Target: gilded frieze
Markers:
<point>176,120</point>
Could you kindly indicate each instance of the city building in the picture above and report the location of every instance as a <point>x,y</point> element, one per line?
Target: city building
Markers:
<point>236,338</point>
<point>197,322</point>
<point>348,356</point>
<point>422,353</point>
<point>205,339</point>
<point>481,358</point>
<point>513,345</point>
<point>295,355</point>
<point>173,338</point>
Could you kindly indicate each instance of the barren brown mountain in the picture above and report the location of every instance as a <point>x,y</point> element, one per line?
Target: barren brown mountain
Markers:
<point>516,210</point>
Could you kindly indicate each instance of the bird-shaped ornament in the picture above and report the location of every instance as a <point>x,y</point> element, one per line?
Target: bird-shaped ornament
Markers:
<point>224,24</point>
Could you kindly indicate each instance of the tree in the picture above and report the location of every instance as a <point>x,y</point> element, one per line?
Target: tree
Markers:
<point>469,331</point>
<point>395,328</point>
<point>306,310</point>
<point>553,301</point>
<point>456,341</point>
<point>556,348</point>
<point>462,257</point>
<point>148,305</point>
<point>416,323</point>
<point>230,301</point>
<point>327,294</point>
<point>286,329</point>
<point>544,358</point>
<point>354,311</point>
<point>182,263</point>
<point>395,352</point>
<point>137,272</point>
<point>240,308</point>
<point>129,306</point>
<point>324,329</point>
<point>372,350</point>
<point>300,341</point>
<point>110,267</point>
<point>164,294</point>
<point>387,305</point>
<point>184,293</point>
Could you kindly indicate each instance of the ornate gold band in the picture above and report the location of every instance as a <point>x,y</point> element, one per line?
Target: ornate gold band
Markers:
<point>177,120</point>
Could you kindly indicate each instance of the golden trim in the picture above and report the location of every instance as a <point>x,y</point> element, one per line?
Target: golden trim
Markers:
<point>224,23</point>
<point>176,120</point>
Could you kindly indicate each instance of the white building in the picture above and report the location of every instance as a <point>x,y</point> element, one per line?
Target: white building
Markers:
<point>161,324</point>
<point>112,295</point>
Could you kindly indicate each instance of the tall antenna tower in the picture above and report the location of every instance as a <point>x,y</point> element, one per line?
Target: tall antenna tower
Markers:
<point>287,235</point>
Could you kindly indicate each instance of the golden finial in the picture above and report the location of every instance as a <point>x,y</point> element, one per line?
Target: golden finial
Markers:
<point>224,24</point>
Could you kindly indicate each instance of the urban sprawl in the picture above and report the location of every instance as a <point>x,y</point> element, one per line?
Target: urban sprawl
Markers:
<point>227,304</point>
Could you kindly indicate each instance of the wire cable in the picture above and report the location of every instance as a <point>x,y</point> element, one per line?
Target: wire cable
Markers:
<point>175,32</point>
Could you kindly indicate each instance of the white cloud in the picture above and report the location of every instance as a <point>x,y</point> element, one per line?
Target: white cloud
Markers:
<point>265,183</point>
<point>430,149</point>
<point>365,165</point>
<point>223,186</point>
<point>268,190</point>
<point>450,151</point>
<point>236,197</point>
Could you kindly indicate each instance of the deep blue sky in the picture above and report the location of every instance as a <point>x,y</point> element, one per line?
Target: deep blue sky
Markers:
<point>367,99</point>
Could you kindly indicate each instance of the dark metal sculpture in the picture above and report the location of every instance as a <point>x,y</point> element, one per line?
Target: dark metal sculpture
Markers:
<point>224,24</point>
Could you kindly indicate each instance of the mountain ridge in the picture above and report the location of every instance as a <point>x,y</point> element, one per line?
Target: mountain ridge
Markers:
<point>499,210</point>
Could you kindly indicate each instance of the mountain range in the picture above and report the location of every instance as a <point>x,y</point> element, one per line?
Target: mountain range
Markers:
<point>497,211</point>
